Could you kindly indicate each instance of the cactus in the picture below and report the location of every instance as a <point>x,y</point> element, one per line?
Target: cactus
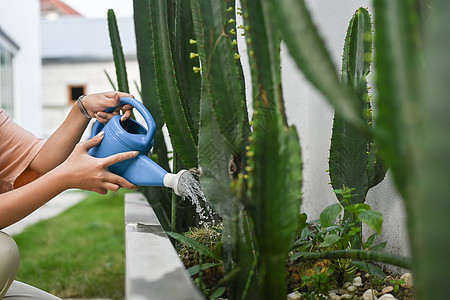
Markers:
<point>175,113</point>
<point>413,121</point>
<point>220,119</point>
<point>158,197</point>
<point>119,58</point>
<point>223,133</point>
<point>354,160</point>
<point>412,125</point>
<point>274,165</point>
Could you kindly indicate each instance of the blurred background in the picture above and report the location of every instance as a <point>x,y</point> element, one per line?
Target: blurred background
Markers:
<point>53,51</point>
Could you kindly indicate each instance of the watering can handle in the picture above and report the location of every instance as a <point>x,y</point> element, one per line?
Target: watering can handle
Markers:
<point>97,127</point>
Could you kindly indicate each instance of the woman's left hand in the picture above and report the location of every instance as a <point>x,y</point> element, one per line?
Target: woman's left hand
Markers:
<point>97,104</point>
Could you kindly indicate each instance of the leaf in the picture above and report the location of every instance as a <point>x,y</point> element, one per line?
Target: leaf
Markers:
<point>379,247</point>
<point>156,196</point>
<point>369,268</point>
<point>173,111</point>
<point>189,83</point>
<point>348,163</point>
<point>263,41</point>
<point>330,240</point>
<point>373,219</point>
<point>110,80</point>
<point>194,244</point>
<point>194,270</point>
<point>370,241</point>
<point>218,251</point>
<point>329,215</point>
<point>217,293</point>
<point>119,58</point>
<point>274,201</point>
<point>221,72</point>
<point>358,208</point>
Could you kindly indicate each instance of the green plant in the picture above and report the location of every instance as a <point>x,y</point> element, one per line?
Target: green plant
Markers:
<point>354,157</point>
<point>411,115</point>
<point>333,238</point>
<point>396,284</point>
<point>319,281</point>
<point>261,207</point>
<point>224,129</point>
<point>196,262</point>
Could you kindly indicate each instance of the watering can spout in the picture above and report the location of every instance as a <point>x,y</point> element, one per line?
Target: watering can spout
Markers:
<point>145,172</point>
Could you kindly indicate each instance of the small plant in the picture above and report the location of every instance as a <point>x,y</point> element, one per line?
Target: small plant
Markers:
<point>319,280</point>
<point>396,283</point>
<point>200,251</point>
<point>331,233</point>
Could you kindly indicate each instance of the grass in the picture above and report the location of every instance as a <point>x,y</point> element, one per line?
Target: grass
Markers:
<point>78,254</point>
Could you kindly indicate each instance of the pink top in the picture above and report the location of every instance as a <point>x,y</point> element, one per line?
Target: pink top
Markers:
<point>18,147</point>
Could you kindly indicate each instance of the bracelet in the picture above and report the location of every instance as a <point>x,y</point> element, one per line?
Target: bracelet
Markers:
<point>82,108</point>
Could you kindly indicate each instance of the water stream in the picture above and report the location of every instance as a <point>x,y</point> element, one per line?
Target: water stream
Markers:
<point>190,188</point>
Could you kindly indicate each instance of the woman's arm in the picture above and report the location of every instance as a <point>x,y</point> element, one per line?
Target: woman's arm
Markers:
<point>80,170</point>
<point>58,147</point>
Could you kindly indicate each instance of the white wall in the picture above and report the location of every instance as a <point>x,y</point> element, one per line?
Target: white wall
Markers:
<point>20,20</point>
<point>313,116</point>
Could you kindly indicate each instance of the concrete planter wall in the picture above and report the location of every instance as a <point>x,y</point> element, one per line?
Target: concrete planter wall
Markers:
<point>153,268</point>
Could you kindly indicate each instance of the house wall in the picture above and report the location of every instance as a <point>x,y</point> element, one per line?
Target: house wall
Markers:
<point>56,77</point>
<point>313,117</point>
<point>20,21</point>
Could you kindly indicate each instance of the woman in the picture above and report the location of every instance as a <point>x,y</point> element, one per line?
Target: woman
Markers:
<point>33,171</point>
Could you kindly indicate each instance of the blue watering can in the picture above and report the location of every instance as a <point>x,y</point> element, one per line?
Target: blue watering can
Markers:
<point>132,136</point>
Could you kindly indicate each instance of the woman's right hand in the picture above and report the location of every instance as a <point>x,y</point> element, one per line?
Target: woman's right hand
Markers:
<point>90,173</point>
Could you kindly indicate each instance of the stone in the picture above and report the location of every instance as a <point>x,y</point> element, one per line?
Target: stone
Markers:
<point>407,277</point>
<point>294,296</point>
<point>370,295</point>
<point>357,281</point>
<point>346,296</point>
<point>334,297</point>
<point>387,289</point>
<point>352,289</point>
<point>387,297</point>
<point>346,285</point>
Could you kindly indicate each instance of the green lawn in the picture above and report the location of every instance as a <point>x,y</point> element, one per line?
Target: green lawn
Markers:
<point>80,253</point>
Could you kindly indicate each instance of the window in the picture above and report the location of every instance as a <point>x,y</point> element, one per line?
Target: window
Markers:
<point>7,50</point>
<point>76,91</point>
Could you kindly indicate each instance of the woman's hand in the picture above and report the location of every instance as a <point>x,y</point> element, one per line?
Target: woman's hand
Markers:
<point>96,104</point>
<point>90,173</point>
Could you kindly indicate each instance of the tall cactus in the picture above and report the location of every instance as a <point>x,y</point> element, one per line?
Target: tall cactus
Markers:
<point>158,197</point>
<point>119,58</point>
<point>354,161</point>
<point>223,133</point>
<point>274,163</point>
<point>414,128</point>
<point>412,125</point>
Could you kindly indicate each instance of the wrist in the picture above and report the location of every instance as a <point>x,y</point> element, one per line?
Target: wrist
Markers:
<point>61,177</point>
<point>82,108</point>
